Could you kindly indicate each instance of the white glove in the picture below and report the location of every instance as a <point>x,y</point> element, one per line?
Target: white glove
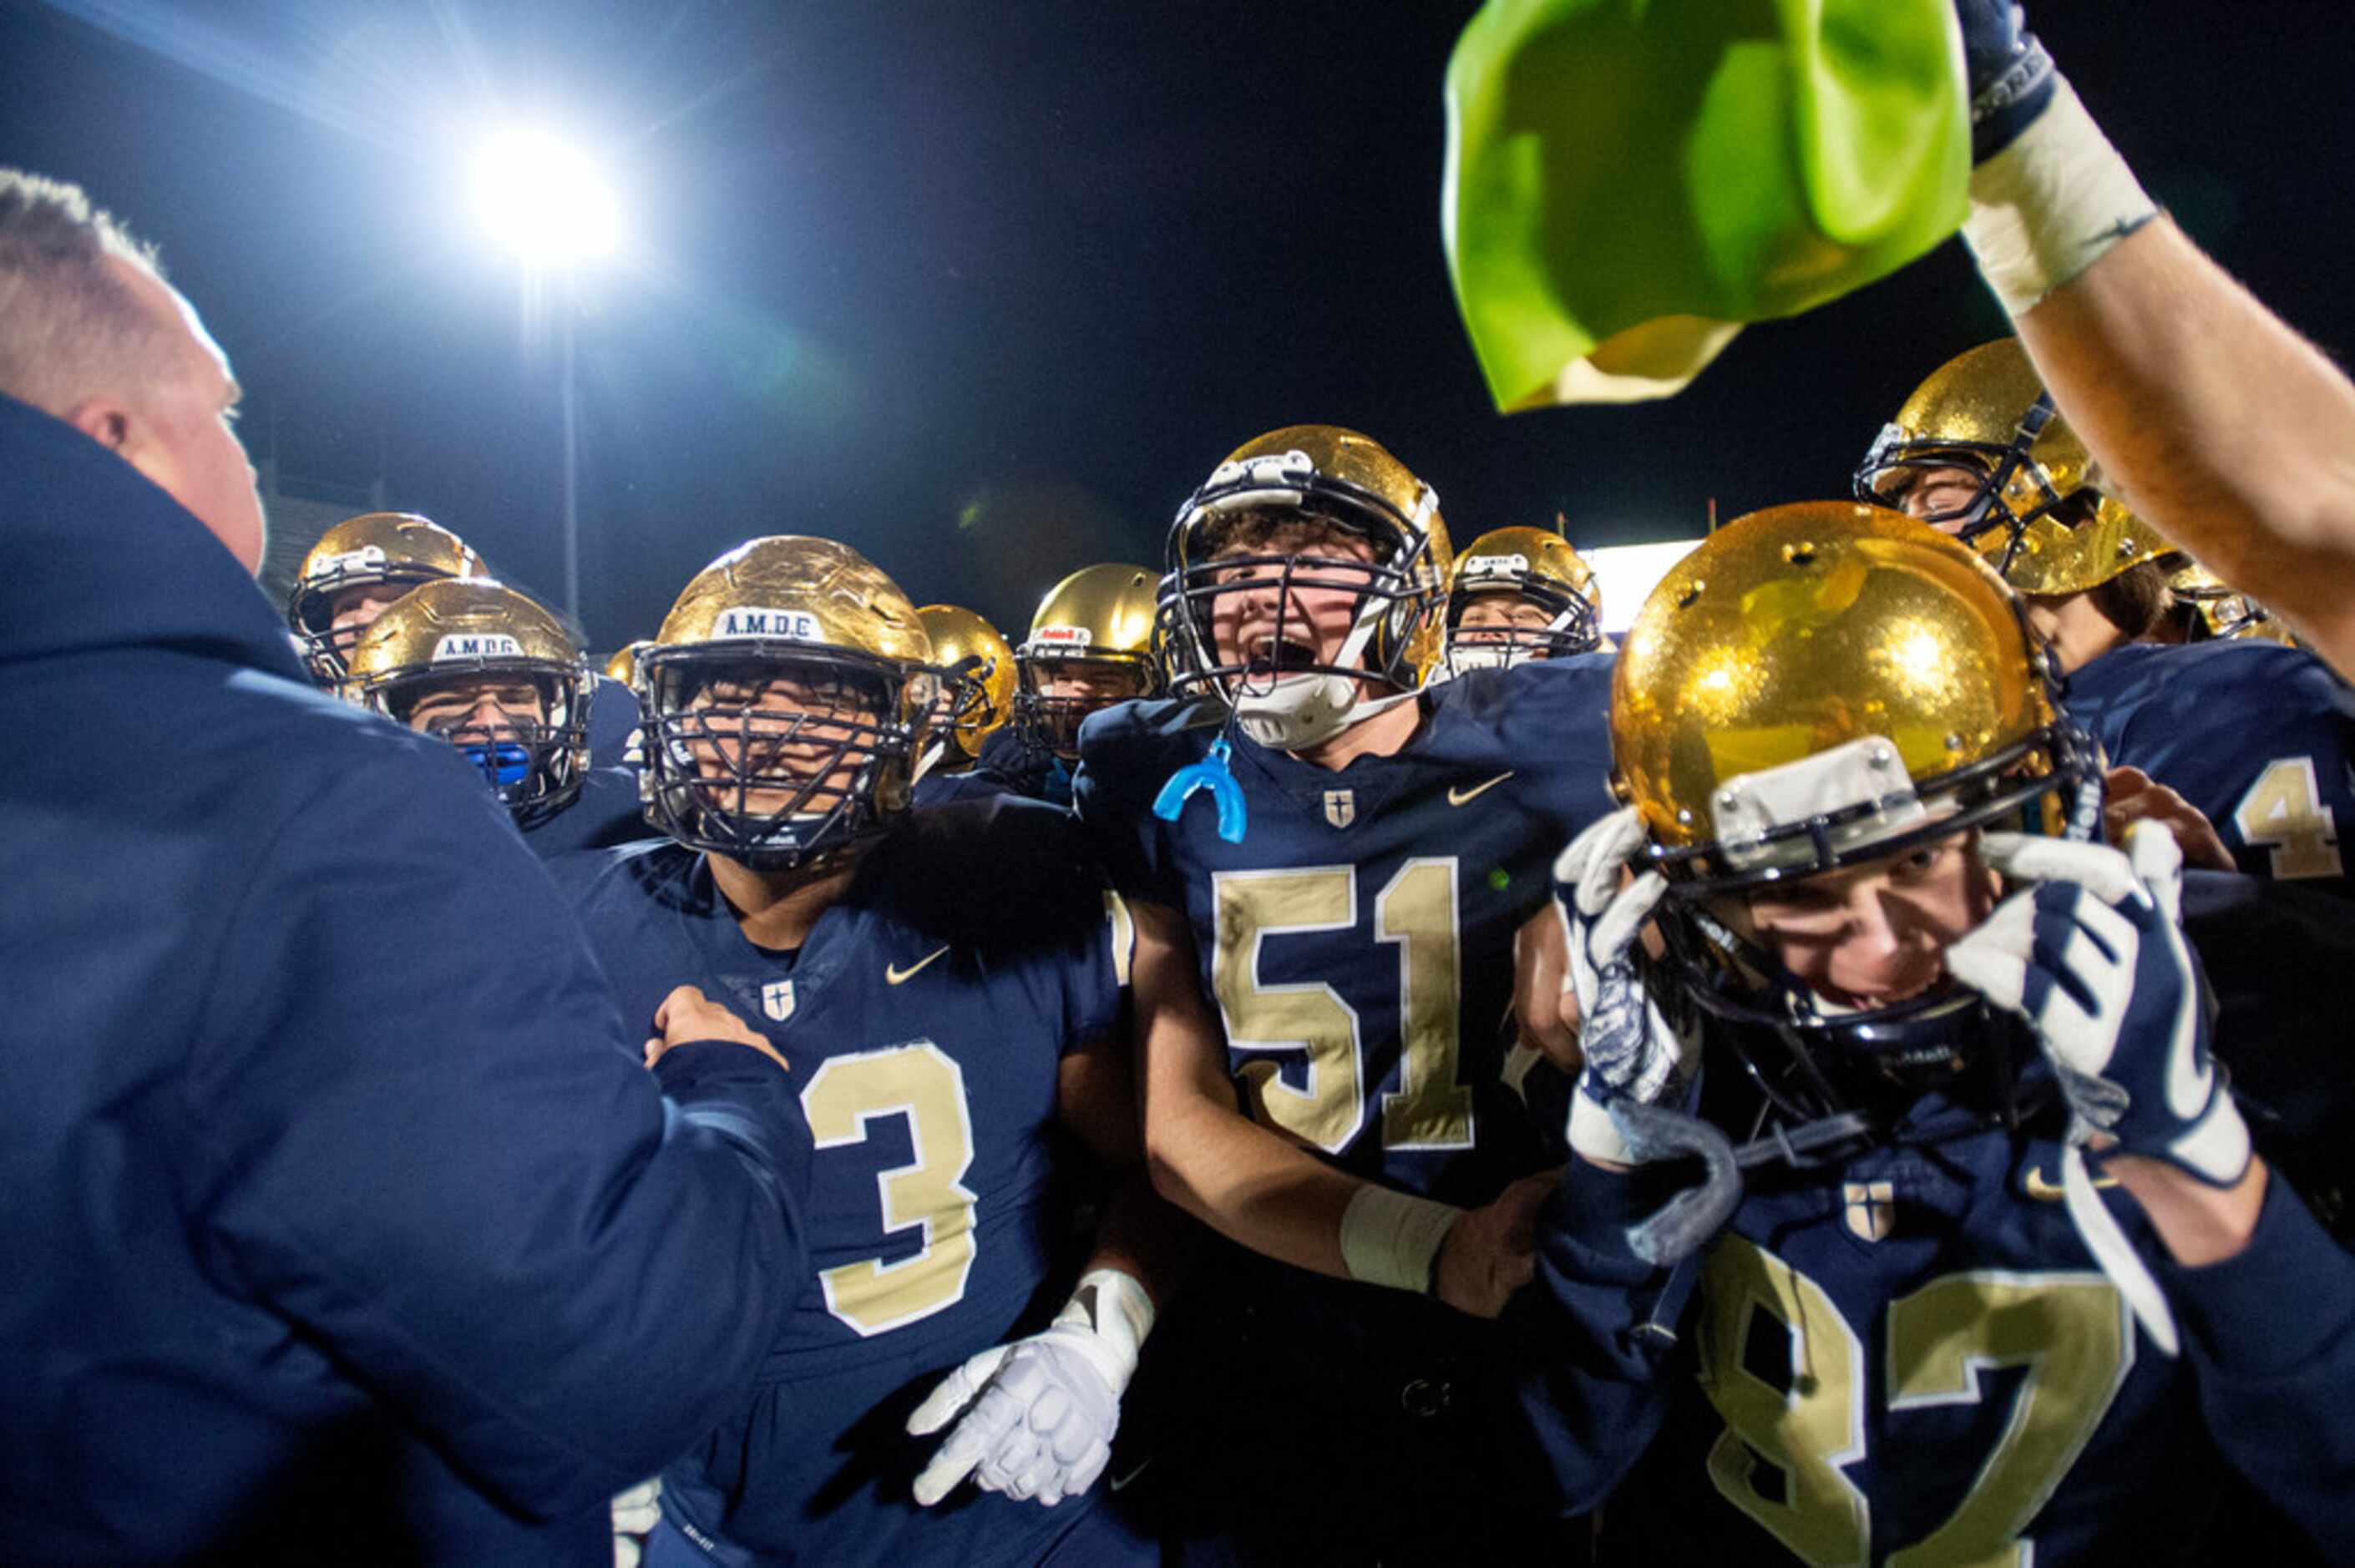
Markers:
<point>1630,1052</point>
<point>636,1513</point>
<point>1036,1418</point>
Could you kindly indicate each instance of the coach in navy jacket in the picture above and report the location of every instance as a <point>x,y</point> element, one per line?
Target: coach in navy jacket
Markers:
<point>342,1223</point>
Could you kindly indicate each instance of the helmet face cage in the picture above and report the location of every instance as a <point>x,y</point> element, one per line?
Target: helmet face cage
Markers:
<point>1053,722</point>
<point>1572,626</point>
<point>1898,455</point>
<point>1811,1063</point>
<point>771,784</point>
<point>310,613</point>
<point>535,766</point>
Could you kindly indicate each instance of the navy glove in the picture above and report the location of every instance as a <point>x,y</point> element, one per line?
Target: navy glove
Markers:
<point>2011,78</point>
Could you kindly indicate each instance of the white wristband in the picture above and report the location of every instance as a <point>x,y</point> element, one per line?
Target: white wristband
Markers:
<point>1391,1238</point>
<point>1117,1310</point>
<point>2046,207</point>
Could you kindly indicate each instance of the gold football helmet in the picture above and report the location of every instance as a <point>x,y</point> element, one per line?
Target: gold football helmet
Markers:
<point>1531,564</point>
<point>494,674</point>
<point>624,664</point>
<point>1284,695</point>
<point>2216,610</point>
<point>1094,627</point>
<point>2039,514</point>
<point>786,698</point>
<point>979,665</point>
<point>374,549</point>
<point>1815,686</point>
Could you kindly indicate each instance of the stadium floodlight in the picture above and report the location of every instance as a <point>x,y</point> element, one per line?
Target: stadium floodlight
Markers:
<point>546,200</point>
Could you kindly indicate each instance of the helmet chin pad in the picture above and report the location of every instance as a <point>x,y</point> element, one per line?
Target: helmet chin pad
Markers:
<point>1297,711</point>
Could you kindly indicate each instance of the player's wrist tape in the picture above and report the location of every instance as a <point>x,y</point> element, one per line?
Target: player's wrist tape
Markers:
<point>1117,1310</point>
<point>2049,206</point>
<point>1391,1238</point>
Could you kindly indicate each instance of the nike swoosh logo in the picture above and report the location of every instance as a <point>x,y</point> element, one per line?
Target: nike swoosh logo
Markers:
<point>894,975</point>
<point>1459,797</point>
<point>2044,1189</point>
<point>1120,1482</point>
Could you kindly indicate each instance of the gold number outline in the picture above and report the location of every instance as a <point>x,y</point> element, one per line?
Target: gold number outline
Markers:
<point>925,1085</point>
<point>2283,812</point>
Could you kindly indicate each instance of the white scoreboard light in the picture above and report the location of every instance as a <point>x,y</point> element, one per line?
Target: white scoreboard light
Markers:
<point>1629,573</point>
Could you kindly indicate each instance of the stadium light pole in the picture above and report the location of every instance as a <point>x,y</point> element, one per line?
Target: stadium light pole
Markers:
<point>548,202</point>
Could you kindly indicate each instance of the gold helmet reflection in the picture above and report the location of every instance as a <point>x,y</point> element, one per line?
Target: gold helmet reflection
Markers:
<point>978,663</point>
<point>2042,517</point>
<point>1345,479</point>
<point>1100,621</point>
<point>2217,609</point>
<point>1808,629</point>
<point>624,664</point>
<point>399,549</point>
<point>1532,564</point>
<point>787,699</point>
<point>463,636</point>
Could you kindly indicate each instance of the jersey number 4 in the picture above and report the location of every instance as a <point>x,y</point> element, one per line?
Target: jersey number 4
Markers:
<point>1414,914</point>
<point>1788,1442</point>
<point>2284,810</point>
<point>923,1083</point>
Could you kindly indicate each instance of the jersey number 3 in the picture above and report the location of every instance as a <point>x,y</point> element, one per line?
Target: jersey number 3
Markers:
<point>1414,914</point>
<point>923,1083</point>
<point>1788,1443</point>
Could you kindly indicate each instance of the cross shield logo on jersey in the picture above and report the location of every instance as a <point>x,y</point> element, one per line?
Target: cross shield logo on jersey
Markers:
<point>777,1000</point>
<point>1871,1209</point>
<point>1340,807</point>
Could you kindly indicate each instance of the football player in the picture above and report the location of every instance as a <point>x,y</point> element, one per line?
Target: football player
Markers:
<point>356,571</point>
<point>1089,645</point>
<point>980,665</point>
<point>496,676</point>
<point>2225,426</point>
<point>2259,738</point>
<point>1517,594</point>
<point>947,982</point>
<point>2206,607</point>
<point>362,567</point>
<point>1993,1273</point>
<point>1326,870</point>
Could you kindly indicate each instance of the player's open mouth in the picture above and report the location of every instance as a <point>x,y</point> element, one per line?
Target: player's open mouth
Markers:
<point>1273,655</point>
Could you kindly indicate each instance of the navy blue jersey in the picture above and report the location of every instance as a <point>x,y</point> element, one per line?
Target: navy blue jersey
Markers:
<point>1011,763</point>
<point>1910,1357</point>
<point>613,719</point>
<point>1359,941</point>
<point>926,1019</point>
<point>2259,737</point>
<point>606,813</point>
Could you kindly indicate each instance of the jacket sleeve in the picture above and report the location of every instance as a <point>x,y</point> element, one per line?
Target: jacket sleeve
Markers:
<point>2276,1380</point>
<point>1595,1334</point>
<point>429,1143</point>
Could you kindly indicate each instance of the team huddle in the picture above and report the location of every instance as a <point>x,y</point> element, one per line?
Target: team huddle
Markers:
<point>1796,926</point>
<point>1314,1053</point>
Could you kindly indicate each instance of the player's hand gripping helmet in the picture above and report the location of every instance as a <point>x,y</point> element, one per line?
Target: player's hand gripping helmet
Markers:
<point>2038,512</point>
<point>2216,610</point>
<point>1525,566</point>
<point>375,549</point>
<point>1284,692</point>
<point>494,674</point>
<point>978,663</point>
<point>787,698</point>
<point>1094,627</point>
<point>1814,687</point>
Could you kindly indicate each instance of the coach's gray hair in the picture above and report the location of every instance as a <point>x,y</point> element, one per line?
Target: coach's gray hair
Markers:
<point>71,325</point>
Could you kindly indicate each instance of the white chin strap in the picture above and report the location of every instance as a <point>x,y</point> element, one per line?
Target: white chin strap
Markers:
<point>1300,711</point>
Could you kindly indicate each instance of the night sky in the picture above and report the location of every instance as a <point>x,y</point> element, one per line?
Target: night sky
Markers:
<point>985,289</point>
